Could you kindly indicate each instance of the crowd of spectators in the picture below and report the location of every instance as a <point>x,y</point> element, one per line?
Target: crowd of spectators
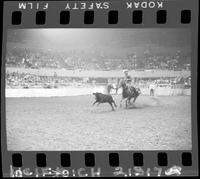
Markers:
<point>46,58</point>
<point>82,60</point>
<point>26,80</point>
<point>17,57</point>
<point>178,82</point>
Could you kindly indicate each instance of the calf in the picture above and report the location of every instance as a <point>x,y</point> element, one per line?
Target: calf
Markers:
<point>104,98</point>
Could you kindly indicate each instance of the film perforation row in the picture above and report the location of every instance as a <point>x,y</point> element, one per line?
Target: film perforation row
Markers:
<point>113,16</point>
<point>114,159</point>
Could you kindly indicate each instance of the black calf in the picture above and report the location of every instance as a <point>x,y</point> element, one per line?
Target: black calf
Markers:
<point>104,98</point>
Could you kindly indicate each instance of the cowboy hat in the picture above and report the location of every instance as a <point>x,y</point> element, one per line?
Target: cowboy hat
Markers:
<point>125,70</point>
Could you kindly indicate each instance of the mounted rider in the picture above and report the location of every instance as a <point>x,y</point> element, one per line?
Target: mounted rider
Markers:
<point>128,90</point>
<point>127,78</point>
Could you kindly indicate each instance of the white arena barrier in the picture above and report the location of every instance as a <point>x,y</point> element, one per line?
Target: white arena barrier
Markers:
<point>75,91</point>
<point>69,91</point>
<point>167,91</point>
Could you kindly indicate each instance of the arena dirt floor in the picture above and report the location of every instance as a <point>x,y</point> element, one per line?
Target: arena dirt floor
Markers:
<point>72,123</point>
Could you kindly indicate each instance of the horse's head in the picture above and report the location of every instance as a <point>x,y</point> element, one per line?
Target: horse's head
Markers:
<point>122,84</point>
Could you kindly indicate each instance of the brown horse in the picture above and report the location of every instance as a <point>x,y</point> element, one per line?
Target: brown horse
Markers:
<point>128,92</point>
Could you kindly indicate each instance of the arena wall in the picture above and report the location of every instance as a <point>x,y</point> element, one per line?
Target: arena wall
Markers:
<point>75,91</point>
<point>100,74</point>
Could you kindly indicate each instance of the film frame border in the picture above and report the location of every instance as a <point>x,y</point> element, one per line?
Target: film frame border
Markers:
<point>173,9</point>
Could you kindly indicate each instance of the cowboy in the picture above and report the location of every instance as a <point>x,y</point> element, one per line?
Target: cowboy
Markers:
<point>127,78</point>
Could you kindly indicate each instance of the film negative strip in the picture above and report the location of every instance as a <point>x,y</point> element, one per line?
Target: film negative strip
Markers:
<point>99,88</point>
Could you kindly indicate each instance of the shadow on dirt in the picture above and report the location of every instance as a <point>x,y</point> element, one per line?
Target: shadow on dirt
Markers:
<point>151,102</point>
<point>101,111</point>
<point>139,106</point>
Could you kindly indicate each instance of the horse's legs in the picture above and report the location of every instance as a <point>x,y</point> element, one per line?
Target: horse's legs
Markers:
<point>121,102</point>
<point>116,91</point>
<point>126,103</point>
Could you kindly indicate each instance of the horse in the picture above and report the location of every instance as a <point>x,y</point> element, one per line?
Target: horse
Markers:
<point>128,92</point>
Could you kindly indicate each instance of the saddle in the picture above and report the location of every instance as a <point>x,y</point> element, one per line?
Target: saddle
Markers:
<point>131,89</point>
